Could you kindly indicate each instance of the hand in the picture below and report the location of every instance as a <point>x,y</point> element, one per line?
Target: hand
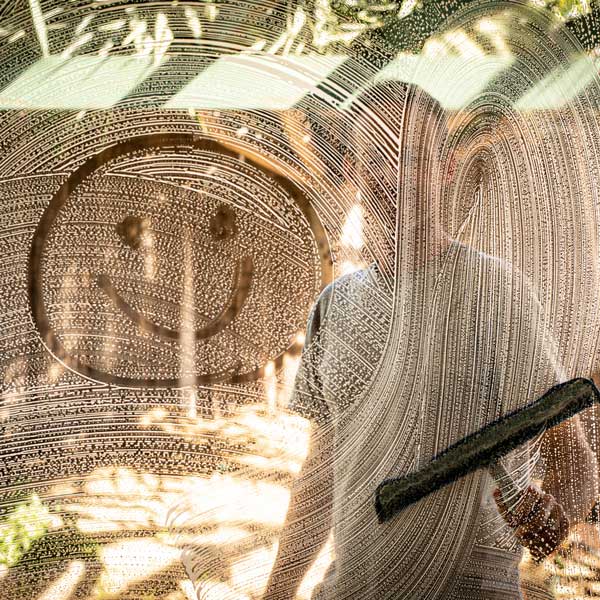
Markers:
<point>538,520</point>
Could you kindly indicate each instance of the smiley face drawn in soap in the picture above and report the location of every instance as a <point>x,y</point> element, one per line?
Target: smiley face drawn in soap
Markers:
<point>170,260</point>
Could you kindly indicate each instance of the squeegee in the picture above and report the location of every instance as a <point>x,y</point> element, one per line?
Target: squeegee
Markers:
<point>484,448</point>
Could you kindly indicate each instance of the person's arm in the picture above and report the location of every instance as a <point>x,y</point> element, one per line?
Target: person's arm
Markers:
<point>308,520</point>
<point>541,517</point>
<point>571,469</point>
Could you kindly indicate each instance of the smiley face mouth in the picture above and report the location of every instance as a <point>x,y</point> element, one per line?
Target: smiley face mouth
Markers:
<point>239,293</point>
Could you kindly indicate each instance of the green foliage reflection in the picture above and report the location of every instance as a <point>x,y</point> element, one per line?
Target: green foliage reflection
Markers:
<point>21,528</point>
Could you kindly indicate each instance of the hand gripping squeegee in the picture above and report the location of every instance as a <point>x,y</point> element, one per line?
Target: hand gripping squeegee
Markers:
<point>483,448</point>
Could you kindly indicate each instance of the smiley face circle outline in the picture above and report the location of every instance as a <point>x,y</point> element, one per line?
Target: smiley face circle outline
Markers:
<point>169,141</point>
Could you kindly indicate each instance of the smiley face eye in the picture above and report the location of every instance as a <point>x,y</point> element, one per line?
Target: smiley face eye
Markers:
<point>222,223</point>
<point>132,230</point>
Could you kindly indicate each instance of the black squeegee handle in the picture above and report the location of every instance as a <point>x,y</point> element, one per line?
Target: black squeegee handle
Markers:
<point>486,446</point>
